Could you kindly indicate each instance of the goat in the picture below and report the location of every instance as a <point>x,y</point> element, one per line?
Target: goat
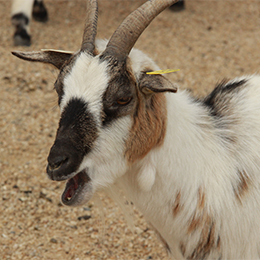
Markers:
<point>22,10</point>
<point>191,166</point>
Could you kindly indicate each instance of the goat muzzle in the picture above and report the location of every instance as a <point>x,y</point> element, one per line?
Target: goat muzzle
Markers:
<point>63,164</point>
<point>63,161</point>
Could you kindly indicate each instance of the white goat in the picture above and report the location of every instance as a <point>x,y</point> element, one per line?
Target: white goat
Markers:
<point>191,166</point>
<point>22,11</point>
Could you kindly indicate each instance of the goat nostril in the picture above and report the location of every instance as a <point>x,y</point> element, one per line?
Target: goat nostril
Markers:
<point>57,162</point>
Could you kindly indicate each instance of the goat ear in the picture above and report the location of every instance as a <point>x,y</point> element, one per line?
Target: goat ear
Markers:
<point>54,57</point>
<point>150,84</point>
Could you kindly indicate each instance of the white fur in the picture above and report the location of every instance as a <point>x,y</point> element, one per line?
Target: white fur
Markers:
<point>146,176</point>
<point>22,6</point>
<point>87,80</point>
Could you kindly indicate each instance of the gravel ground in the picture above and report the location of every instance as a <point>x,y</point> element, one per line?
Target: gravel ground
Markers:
<point>209,41</point>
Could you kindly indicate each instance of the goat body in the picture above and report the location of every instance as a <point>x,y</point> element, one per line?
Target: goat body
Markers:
<point>191,166</point>
<point>200,188</point>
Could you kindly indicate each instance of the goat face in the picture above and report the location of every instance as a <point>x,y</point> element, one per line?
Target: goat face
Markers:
<point>97,100</point>
<point>112,112</point>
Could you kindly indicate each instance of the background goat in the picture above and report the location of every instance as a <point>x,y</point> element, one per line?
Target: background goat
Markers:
<point>22,11</point>
<point>191,166</point>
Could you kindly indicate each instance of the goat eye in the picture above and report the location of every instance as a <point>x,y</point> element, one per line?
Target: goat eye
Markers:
<point>123,101</point>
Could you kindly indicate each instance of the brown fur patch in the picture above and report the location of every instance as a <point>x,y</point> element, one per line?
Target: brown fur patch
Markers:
<point>149,126</point>
<point>96,52</point>
<point>200,214</point>
<point>177,206</point>
<point>182,248</point>
<point>202,222</point>
<point>207,241</point>
<point>197,221</point>
<point>201,199</point>
<point>243,185</point>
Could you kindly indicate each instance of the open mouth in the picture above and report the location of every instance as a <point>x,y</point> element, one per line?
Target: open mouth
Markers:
<point>78,190</point>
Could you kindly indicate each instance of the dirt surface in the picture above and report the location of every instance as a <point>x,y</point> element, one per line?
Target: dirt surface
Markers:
<point>209,41</point>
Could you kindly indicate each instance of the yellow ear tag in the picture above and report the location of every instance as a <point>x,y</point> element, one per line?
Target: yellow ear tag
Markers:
<point>158,72</point>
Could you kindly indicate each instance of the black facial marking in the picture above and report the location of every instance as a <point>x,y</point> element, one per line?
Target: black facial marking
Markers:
<point>219,98</point>
<point>78,125</point>
<point>121,87</point>
<point>58,86</point>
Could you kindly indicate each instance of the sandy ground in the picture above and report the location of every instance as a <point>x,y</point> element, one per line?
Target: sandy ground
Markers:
<point>209,41</point>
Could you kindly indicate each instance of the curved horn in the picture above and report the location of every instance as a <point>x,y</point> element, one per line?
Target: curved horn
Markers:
<point>126,35</point>
<point>90,30</point>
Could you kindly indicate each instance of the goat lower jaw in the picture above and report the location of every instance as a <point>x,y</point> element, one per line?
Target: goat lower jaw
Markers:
<point>78,190</point>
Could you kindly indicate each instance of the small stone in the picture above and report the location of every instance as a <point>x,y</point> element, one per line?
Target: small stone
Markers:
<point>85,217</point>
<point>54,241</point>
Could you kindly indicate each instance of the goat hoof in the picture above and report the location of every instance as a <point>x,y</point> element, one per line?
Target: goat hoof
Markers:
<point>22,38</point>
<point>40,13</point>
<point>177,7</point>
